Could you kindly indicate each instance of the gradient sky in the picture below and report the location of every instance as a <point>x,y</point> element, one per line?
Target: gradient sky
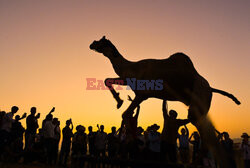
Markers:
<point>45,56</point>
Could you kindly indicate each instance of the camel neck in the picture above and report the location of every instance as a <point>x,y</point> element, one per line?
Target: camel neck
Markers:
<point>119,64</point>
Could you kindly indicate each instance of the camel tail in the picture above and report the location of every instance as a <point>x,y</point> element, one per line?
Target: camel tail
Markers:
<point>226,94</point>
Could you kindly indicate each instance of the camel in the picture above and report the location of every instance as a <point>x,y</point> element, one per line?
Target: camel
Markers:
<point>180,82</point>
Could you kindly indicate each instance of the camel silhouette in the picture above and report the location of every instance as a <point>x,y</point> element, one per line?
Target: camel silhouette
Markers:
<point>181,82</point>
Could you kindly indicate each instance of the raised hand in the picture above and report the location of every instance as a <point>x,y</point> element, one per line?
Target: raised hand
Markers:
<point>38,115</point>
<point>52,110</point>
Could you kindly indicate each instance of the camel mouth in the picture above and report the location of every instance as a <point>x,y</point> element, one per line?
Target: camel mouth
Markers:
<point>92,47</point>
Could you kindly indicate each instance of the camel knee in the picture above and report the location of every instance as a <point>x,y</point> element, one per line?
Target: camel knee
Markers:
<point>108,82</point>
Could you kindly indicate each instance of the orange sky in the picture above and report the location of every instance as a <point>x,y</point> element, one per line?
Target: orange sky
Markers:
<point>45,56</point>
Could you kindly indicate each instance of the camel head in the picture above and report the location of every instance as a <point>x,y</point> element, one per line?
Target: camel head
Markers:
<point>105,47</point>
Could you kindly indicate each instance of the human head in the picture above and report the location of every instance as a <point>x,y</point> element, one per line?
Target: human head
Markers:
<point>196,135</point>
<point>173,114</point>
<point>226,135</point>
<point>33,110</point>
<point>14,109</point>
<point>17,117</point>
<point>155,127</point>
<point>245,137</point>
<point>55,121</point>
<point>113,129</point>
<point>140,130</point>
<point>102,128</point>
<point>183,131</point>
<point>68,122</point>
<point>90,128</point>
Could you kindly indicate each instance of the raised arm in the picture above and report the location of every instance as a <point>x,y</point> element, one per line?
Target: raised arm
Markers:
<point>137,112</point>
<point>191,137</point>
<point>23,116</point>
<point>52,110</point>
<point>187,131</point>
<point>165,109</point>
<point>72,126</point>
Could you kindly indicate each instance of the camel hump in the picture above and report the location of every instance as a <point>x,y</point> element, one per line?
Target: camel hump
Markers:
<point>181,59</point>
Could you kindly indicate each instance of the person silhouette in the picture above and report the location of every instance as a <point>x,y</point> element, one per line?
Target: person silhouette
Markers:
<point>170,133</point>
<point>79,147</point>
<point>7,121</point>
<point>30,133</point>
<point>130,121</point>
<point>113,143</point>
<point>48,133</point>
<point>184,145</point>
<point>17,131</point>
<point>91,141</point>
<point>196,156</point>
<point>154,140</point>
<point>245,148</point>
<point>66,142</point>
<point>56,138</point>
<point>227,145</point>
<point>100,141</point>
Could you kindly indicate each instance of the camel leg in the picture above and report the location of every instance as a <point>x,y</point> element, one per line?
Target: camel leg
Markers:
<point>109,82</point>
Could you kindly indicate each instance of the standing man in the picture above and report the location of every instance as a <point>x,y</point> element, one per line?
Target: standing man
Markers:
<point>170,133</point>
<point>66,142</point>
<point>101,141</point>
<point>31,128</point>
<point>7,125</point>
<point>184,145</point>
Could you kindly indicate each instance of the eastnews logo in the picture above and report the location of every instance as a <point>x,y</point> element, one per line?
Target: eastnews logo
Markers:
<point>131,83</point>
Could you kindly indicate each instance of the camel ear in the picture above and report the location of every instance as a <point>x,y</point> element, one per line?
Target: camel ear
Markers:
<point>103,37</point>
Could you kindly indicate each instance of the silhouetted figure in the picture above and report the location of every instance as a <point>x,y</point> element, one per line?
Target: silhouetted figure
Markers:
<point>170,133</point>
<point>79,146</point>
<point>56,139</point>
<point>7,121</point>
<point>227,144</point>
<point>154,138</point>
<point>123,151</point>
<point>50,113</point>
<point>66,143</point>
<point>140,144</point>
<point>6,138</point>
<point>91,141</point>
<point>131,122</point>
<point>2,115</point>
<point>113,143</point>
<point>100,141</point>
<point>49,133</point>
<point>196,156</point>
<point>184,145</point>
<point>30,133</point>
<point>245,147</point>
<point>17,132</point>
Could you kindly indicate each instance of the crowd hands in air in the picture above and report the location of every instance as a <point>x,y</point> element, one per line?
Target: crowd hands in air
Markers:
<point>129,142</point>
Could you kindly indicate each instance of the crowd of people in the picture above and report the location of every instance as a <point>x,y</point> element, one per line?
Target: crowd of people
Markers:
<point>130,141</point>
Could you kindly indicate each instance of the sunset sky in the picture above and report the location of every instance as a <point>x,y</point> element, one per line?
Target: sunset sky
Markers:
<point>45,56</point>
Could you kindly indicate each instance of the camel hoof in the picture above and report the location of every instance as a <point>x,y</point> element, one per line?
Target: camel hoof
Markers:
<point>119,104</point>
